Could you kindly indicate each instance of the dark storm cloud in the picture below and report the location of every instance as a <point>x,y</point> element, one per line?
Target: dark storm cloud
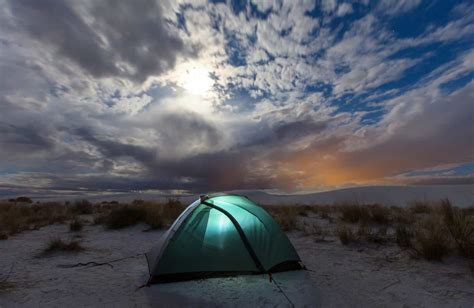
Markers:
<point>23,136</point>
<point>299,129</point>
<point>115,149</point>
<point>130,39</point>
<point>187,127</point>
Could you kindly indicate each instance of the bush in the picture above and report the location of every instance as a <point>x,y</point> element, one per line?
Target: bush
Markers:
<point>364,213</point>
<point>100,219</point>
<point>377,236</point>
<point>404,236</point>
<point>431,240</point>
<point>15,218</point>
<point>24,200</point>
<point>82,207</point>
<point>404,216</point>
<point>379,214</point>
<point>345,234</point>
<point>284,215</point>
<point>154,216</point>
<point>58,245</point>
<point>420,207</point>
<point>75,225</point>
<point>173,209</point>
<point>354,213</point>
<point>322,210</point>
<point>3,236</point>
<point>124,217</point>
<point>461,228</point>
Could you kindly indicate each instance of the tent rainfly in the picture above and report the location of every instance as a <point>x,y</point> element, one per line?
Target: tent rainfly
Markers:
<point>221,235</point>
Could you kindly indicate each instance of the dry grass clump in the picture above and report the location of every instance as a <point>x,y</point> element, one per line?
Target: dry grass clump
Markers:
<point>420,207</point>
<point>431,239</point>
<point>346,235</point>
<point>124,217</point>
<point>156,215</point>
<point>285,215</point>
<point>75,225</point>
<point>16,217</point>
<point>379,214</point>
<point>82,207</point>
<point>403,236</point>
<point>403,216</point>
<point>59,245</point>
<point>378,236</point>
<point>21,200</point>
<point>353,213</point>
<point>460,227</point>
<point>3,236</point>
<point>323,211</point>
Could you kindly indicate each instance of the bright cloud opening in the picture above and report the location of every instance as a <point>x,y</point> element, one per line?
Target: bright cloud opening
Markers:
<point>197,81</point>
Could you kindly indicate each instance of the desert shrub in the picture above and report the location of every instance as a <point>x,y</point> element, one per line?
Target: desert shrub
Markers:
<point>379,214</point>
<point>303,212</point>
<point>404,236</point>
<point>24,200</point>
<point>154,216</point>
<point>138,202</point>
<point>323,211</point>
<point>100,219</point>
<point>82,207</point>
<point>312,228</point>
<point>461,228</point>
<point>159,215</point>
<point>125,216</point>
<point>346,235</point>
<point>15,218</point>
<point>354,213</point>
<point>431,239</point>
<point>363,230</point>
<point>469,211</point>
<point>284,215</point>
<point>75,225</point>
<point>377,236</point>
<point>58,245</point>
<point>173,209</point>
<point>420,207</point>
<point>404,216</point>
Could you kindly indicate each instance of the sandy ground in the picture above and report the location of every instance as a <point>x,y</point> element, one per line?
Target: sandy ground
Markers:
<point>339,276</point>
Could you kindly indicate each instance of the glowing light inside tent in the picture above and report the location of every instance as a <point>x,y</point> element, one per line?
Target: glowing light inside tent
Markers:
<point>218,226</point>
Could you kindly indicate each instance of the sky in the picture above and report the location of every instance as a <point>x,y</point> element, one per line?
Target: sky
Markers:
<point>196,96</point>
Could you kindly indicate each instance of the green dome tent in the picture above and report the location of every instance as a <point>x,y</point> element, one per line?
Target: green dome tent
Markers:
<point>219,235</point>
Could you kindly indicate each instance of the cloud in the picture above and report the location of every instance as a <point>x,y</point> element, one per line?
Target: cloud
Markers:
<point>130,40</point>
<point>433,130</point>
<point>393,7</point>
<point>304,95</point>
<point>344,9</point>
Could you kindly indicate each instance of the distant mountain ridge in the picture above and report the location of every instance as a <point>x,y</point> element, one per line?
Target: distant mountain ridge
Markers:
<point>460,195</point>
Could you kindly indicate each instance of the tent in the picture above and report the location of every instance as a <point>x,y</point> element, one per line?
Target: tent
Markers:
<point>221,235</point>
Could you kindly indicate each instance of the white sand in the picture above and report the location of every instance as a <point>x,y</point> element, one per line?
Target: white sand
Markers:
<point>357,276</point>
